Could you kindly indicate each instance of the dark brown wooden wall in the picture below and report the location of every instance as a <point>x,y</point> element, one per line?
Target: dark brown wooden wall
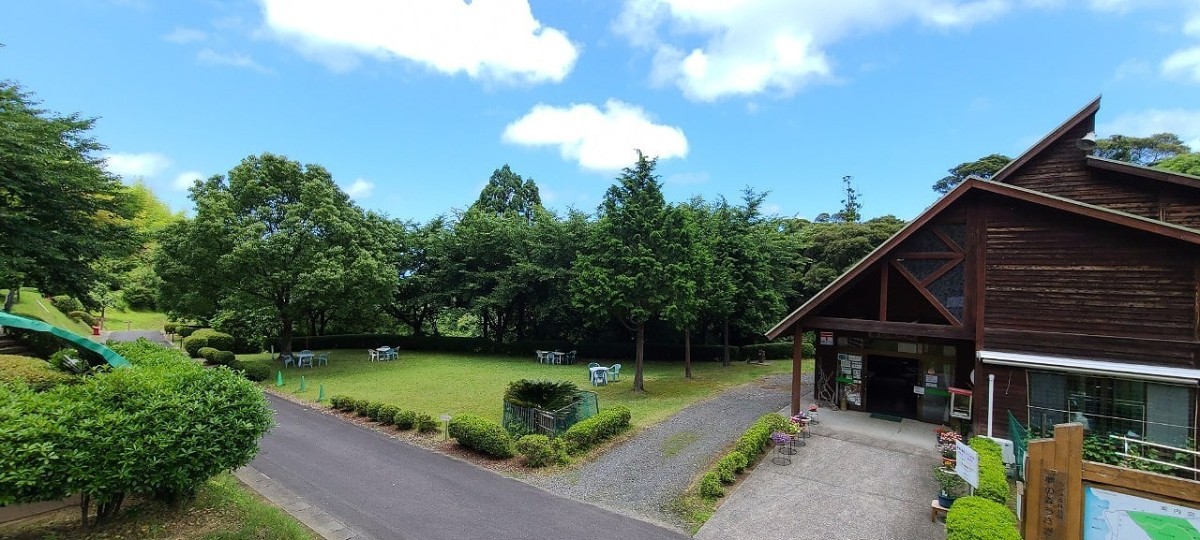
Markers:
<point>1011,395</point>
<point>1060,169</point>
<point>1074,286</point>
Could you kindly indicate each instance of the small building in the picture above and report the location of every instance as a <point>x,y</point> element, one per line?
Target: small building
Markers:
<point>1065,288</point>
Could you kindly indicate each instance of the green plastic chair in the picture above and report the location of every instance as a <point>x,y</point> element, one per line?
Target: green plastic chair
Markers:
<point>614,372</point>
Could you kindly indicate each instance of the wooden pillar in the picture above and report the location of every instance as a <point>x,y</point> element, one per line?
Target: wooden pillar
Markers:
<point>1054,488</point>
<point>797,363</point>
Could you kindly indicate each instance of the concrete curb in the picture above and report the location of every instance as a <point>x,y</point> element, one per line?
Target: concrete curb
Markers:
<point>315,518</point>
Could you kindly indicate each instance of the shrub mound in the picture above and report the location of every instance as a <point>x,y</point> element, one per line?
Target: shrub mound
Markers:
<point>482,435</point>
<point>540,451</point>
<point>206,353</point>
<point>206,337</point>
<point>993,480</point>
<point>977,518</point>
<point>36,373</point>
<point>588,433</point>
<point>255,370</point>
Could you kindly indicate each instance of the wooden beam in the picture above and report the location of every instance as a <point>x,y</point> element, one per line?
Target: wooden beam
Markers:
<point>1068,459</point>
<point>1037,455</point>
<point>887,327</point>
<point>941,271</point>
<point>929,255</point>
<point>797,364</point>
<point>883,292</point>
<point>948,241</point>
<point>1143,172</point>
<point>1158,484</point>
<point>975,282</point>
<point>929,297</point>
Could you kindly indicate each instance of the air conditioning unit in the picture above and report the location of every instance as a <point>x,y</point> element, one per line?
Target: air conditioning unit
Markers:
<point>1006,451</point>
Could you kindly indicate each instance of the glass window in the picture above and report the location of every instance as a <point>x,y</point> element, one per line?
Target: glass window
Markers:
<point>1152,411</point>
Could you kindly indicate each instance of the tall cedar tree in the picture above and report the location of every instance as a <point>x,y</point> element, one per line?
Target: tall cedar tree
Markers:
<point>631,271</point>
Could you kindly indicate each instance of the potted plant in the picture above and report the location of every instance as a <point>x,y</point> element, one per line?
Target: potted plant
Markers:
<point>951,486</point>
<point>946,445</point>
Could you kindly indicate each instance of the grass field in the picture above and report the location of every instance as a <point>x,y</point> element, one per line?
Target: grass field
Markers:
<point>437,383</point>
<point>32,303</point>
<point>224,510</point>
<point>117,320</point>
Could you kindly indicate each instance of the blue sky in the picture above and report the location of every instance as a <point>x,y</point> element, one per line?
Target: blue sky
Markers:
<point>412,105</point>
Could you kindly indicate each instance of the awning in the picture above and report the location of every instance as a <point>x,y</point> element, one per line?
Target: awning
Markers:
<point>1104,368</point>
<point>16,321</point>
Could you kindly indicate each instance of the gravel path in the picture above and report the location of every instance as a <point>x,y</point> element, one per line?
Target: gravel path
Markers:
<point>644,476</point>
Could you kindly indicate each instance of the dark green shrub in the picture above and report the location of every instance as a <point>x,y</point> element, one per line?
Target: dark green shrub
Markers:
<point>426,424</point>
<point>222,358</point>
<point>729,466</point>
<point>770,351</point>
<point>83,317</point>
<point>605,425</point>
<point>206,353</point>
<point>214,339</point>
<point>540,451</point>
<point>170,327</point>
<point>362,407</point>
<point>66,304</point>
<point>406,419</point>
<point>68,360</point>
<point>185,331</point>
<point>754,441</point>
<point>710,486</point>
<point>193,343</point>
<point>372,410</point>
<point>387,414</point>
<point>339,402</point>
<point>481,435</point>
<point>255,370</point>
<point>977,518</point>
<point>993,477</point>
<point>38,374</point>
<point>543,394</point>
<point>204,421</point>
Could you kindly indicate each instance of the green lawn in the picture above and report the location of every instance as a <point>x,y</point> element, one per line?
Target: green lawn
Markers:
<point>117,320</point>
<point>437,383</point>
<point>32,303</point>
<point>224,509</point>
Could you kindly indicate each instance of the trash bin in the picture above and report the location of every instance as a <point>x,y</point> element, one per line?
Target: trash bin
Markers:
<point>95,330</point>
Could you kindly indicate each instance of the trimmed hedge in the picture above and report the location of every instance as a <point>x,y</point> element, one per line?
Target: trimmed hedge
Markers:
<point>481,435</point>
<point>206,337</point>
<point>710,486</point>
<point>206,353</point>
<point>170,327</point>
<point>405,419</point>
<point>341,403</point>
<point>36,373</point>
<point>605,425</point>
<point>83,317</point>
<point>540,451</point>
<point>993,477</point>
<point>426,424</point>
<point>745,452</point>
<point>387,414</point>
<point>66,304</point>
<point>222,358</point>
<point>977,518</point>
<point>255,370</point>
<point>372,410</point>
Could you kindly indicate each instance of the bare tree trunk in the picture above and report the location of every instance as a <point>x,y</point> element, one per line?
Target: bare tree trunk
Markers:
<point>285,334</point>
<point>687,353</point>
<point>10,300</point>
<point>725,342</point>
<point>640,357</point>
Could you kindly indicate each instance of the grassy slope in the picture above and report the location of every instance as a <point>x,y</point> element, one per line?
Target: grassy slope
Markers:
<point>437,383</point>
<point>117,319</point>
<point>32,303</point>
<point>224,509</point>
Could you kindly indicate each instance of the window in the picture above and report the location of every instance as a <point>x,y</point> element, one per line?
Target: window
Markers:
<point>1153,411</point>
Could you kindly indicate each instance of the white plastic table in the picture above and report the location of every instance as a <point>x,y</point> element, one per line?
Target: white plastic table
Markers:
<point>599,375</point>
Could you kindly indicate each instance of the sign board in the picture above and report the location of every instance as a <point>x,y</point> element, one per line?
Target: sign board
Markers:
<point>919,390</point>
<point>826,338</point>
<point>966,463</point>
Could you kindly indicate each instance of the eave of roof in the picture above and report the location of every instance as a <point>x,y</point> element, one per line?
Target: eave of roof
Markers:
<point>1142,171</point>
<point>1116,217</point>
<point>1083,114</point>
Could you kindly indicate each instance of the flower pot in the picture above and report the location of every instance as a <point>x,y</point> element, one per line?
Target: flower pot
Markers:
<point>945,501</point>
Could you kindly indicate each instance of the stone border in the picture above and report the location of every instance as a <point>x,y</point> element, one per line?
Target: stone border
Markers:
<point>315,518</point>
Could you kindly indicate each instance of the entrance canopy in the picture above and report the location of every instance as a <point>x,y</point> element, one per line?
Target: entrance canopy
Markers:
<point>1173,375</point>
<point>9,320</point>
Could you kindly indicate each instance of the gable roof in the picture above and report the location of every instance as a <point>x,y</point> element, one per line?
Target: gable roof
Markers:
<point>1143,171</point>
<point>973,183</point>
<point>1089,111</point>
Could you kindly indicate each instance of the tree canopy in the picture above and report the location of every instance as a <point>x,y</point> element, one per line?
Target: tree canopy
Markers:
<point>983,167</point>
<point>1182,163</point>
<point>1141,150</point>
<point>60,211</point>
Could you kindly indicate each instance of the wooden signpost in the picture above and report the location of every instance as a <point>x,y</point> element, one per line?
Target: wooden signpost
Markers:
<point>1057,476</point>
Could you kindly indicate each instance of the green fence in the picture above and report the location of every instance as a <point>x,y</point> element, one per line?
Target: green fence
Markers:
<point>1020,439</point>
<point>524,421</point>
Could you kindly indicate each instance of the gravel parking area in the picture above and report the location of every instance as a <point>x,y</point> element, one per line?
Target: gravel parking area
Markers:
<point>645,475</point>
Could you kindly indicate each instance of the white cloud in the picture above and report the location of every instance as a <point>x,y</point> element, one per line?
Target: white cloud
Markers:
<point>1182,122</point>
<point>359,189</point>
<point>771,209</point>
<point>185,35</point>
<point>238,60</point>
<point>132,165</point>
<point>184,180</point>
<point>486,39</point>
<point>754,46</point>
<point>598,140</point>
<point>1183,64</point>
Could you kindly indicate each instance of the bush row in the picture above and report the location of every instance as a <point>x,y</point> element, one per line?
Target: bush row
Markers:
<point>206,337</point>
<point>977,518</point>
<point>993,478</point>
<point>611,350</point>
<point>96,439</point>
<point>255,370</point>
<point>540,450</point>
<point>745,453</point>
<point>603,426</point>
<point>387,415</point>
<point>481,435</point>
<point>83,317</point>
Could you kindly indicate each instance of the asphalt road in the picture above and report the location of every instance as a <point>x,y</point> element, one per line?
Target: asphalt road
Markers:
<point>133,335</point>
<point>390,489</point>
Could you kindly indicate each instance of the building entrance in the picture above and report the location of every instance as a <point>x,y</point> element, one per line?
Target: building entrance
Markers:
<point>889,386</point>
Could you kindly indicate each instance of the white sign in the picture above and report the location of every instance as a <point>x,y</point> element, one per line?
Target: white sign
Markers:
<point>966,463</point>
<point>919,390</point>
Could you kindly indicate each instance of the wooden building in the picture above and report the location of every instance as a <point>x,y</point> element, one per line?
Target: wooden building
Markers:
<point>1067,283</point>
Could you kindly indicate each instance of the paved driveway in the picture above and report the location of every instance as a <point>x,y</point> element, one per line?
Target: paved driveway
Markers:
<point>843,485</point>
<point>389,489</point>
<point>133,335</point>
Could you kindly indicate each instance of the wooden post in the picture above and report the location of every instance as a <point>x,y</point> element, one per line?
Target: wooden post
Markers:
<point>797,363</point>
<point>1054,492</point>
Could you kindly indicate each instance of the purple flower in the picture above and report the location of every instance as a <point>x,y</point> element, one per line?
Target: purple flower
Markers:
<point>781,438</point>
